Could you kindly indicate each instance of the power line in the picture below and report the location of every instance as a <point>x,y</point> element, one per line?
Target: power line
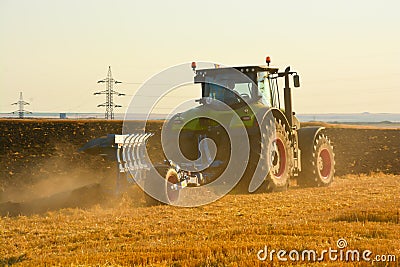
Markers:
<point>109,92</point>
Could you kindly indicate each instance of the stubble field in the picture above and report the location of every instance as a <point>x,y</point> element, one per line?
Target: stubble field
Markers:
<point>39,160</point>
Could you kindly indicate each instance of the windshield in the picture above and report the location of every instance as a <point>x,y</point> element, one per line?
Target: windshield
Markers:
<point>230,89</point>
<point>229,96</point>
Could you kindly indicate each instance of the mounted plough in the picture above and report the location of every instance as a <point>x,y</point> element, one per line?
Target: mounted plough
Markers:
<point>129,151</point>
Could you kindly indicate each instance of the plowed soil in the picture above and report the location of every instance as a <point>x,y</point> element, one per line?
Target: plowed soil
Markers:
<point>35,150</point>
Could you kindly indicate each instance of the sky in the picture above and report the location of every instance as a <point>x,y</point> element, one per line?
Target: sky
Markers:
<point>347,53</point>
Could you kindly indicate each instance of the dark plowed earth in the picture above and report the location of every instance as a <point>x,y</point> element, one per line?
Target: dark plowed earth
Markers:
<point>365,150</point>
<point>38,150</point>
<point>82,197</point>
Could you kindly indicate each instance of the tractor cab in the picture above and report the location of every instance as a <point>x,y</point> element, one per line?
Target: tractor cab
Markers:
<point>248,85</point>
<point>237,86</point>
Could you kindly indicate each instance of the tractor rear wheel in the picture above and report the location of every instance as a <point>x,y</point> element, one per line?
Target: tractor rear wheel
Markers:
<point>277,153</point>
<point>318,169</point>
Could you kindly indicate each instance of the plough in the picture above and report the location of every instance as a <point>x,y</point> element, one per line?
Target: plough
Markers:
<point>131,155</point>
<point>129,152</point>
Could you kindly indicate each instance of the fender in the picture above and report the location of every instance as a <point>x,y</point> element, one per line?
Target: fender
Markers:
<point>276,113</point>
<point>307,136</point>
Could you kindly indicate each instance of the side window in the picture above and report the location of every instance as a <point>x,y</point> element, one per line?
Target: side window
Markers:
<point>264,88</point>
<point>243,89</point>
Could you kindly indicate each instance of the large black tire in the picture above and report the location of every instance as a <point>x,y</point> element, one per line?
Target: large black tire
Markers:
<point>277,153</point>
<point>318,168</point>
<point>161,188</point>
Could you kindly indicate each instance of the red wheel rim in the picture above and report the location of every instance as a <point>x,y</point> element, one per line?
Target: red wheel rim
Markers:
<point>172,194</point>
<point>282,157</point>
<point>325,164</point>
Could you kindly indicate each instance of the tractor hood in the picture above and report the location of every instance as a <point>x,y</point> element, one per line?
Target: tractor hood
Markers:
<point>213,113</point>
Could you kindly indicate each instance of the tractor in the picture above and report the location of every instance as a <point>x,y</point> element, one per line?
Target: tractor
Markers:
<point>300,153</point>
<point>251,93</point>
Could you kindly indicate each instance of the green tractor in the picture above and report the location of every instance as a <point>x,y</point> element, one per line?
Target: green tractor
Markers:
<point>242,134</point>
<point>252,94</point>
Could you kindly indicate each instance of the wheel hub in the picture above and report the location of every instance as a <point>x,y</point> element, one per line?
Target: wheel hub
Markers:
<point>278,158</point>
<point>172,178</point>
<point>275,158</point>
<point>324,163</point>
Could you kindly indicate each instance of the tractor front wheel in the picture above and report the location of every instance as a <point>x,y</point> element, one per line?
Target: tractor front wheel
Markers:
<point>318,168</point>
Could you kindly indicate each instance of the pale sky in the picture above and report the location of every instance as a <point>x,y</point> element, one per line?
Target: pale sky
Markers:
<point>346,52</point>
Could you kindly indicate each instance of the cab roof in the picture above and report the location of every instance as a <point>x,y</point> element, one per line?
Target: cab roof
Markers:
<point>248,71</point>
<point>244,69</point>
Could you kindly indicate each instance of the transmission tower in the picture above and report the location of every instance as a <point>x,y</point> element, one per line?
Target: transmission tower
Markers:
<point>109,92</point>
<point>21,103</point>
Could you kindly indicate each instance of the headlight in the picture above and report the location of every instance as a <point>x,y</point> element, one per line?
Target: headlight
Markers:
<point>178,119</point>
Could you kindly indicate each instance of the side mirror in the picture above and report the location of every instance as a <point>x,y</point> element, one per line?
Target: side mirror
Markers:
<point>296,80</point>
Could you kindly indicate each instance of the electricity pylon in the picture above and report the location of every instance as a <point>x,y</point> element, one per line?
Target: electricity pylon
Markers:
<point>21,103</point>
<point>109,92</point>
